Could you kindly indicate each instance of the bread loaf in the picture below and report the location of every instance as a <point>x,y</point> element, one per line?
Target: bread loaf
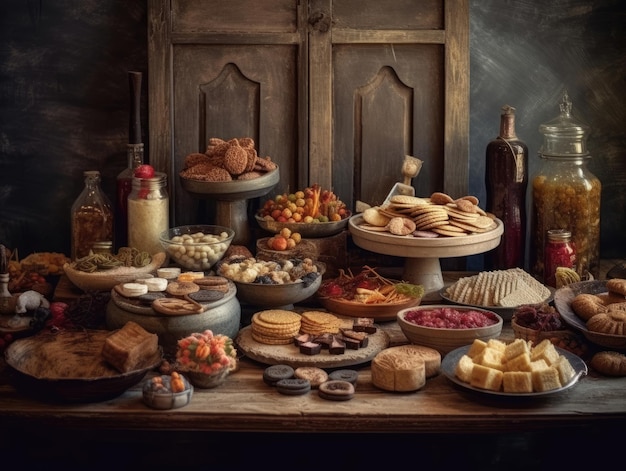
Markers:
<point>129,347</point>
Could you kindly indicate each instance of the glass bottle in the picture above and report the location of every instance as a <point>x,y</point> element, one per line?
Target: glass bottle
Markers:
<point>559,252</point>
<point>148,213</point>
<point>506,180</point>
<point>123,186</point>
<point>92,217</point>
<point>566,195</point>
<point>6,306</point>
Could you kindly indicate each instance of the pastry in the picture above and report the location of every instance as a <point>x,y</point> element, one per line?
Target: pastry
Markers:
<point>609,363</point>
<point>128,348</point>
<point>587,305</point>
<point>617,285</point>
<point>612,322</point>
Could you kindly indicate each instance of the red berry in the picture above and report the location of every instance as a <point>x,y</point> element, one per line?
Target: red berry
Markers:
<point>144,171</point>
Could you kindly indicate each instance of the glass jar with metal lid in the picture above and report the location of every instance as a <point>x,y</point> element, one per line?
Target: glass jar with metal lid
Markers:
<point>565,194</point>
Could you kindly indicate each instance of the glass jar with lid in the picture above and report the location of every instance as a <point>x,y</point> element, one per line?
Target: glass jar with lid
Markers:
<point>92,217</point>
<point>565,194</point>
<point>148,213</point>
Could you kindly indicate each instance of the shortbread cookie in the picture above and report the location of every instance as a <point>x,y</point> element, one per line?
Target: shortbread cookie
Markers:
<point>313,374</point>
<point>374,217</point>
<point>336,390</point>
<point>181,288</point>
<point>176,306</point>
<point>616,285</point>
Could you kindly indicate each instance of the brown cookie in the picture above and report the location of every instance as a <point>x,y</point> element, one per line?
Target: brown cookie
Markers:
<point>176,306</point>
<point>181,288</point>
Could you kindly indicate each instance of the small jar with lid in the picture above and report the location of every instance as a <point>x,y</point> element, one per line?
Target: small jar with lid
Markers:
<point>565,194</point>
<point>92,217</point>
<point>559,252</point>
<point>148,213</point>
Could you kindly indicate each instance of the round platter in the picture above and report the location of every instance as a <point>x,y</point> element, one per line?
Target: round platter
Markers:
<point>232,190</point>
<point>505,312</point>
<point>290,354</point>
<point>562,301</point>
<point>312,230</point>
<point>449,362</point>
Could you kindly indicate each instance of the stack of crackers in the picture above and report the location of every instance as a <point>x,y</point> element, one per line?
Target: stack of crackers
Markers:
<point>275,326</point>
<point>439,215</point>
<point>503,288</point>
<point>319,322</point>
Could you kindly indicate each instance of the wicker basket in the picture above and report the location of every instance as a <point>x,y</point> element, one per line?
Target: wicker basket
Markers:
<point>534,335</point>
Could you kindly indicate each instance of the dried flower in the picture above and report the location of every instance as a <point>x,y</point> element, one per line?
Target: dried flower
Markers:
<point>206,353</point>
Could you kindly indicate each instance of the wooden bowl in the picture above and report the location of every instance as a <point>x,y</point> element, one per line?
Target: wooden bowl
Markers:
<point>378,311</point>
<point>445,340</point>
<point>105,280</point>
<point>68,367</point>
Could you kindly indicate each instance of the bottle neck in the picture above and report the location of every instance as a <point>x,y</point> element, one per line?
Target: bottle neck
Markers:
<point>135,155</point>
<point>507,126</point>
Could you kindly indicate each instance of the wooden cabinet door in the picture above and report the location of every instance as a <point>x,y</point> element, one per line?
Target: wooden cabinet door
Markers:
<point>337,92</point>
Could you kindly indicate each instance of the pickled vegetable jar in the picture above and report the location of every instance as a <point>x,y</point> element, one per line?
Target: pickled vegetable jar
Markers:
<point>566,195</point>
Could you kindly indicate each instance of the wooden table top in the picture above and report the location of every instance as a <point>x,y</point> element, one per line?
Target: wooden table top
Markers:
<point>245,403</point>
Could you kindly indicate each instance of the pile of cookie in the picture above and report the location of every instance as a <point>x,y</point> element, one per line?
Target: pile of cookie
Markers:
<point>436,216</point>
<point>339,385</point>
<point>223,161</point>
<point>312,331</point>
<point>188,293</point>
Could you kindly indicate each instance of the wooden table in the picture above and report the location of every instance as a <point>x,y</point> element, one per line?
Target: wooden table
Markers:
<point>246,404</point>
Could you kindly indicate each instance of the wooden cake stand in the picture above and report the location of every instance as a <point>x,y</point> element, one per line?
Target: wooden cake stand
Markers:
<point>422,265</point>
<point>231,200</point>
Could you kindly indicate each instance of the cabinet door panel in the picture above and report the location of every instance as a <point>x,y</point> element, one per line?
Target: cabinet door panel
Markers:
<point>388,103</point>
<point>234,91</point>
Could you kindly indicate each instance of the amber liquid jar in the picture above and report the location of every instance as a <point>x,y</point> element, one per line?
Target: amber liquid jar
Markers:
<point>506,181</point>
<point>566,195</point>
<point>92,217</point>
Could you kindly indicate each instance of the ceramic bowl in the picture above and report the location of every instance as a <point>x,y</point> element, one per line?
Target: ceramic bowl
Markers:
<point>197,247</point>
<point>266,295</point>
<point>312,230</point>
<point>445,340</point>
<point>105,280</point>
<point>162,397</point>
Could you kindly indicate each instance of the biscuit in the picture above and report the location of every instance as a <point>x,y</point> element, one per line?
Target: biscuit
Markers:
<point>313,374</point>
<point>181,288</point>
<point>336,390</point>
<point>351,376</point>
<point>273,374</point>
<point>293,386</point>
<point>440,198</point>
<point>374,217</point>
<point>616,285</point>
<point>206,296</point>
<point>176,306</point>
<point>587,305</point>
<point>609,363</point>
<point>406,199</point>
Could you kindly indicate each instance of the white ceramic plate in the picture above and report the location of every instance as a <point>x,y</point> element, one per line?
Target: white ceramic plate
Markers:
<point>449,362</point>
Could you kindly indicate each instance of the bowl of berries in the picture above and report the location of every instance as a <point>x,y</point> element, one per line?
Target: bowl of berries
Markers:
<point>313,212</point>
<point>447,327</point>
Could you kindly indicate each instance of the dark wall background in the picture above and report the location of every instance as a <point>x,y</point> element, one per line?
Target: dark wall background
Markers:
<point>64,98</point>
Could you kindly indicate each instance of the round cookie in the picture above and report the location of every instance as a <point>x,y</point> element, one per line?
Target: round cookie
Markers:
<point>273,374</point>
<point>609,363</point>
<point>206,295</point>
<point>313,374</point>
<point>336,390</point>
<point>293,386</point>
<point>587,305</point>
<point>351,376</point>
<point>181,288</point>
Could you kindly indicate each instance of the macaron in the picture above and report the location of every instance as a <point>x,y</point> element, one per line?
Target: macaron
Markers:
<point>156,284</point>
<point>131,290</point>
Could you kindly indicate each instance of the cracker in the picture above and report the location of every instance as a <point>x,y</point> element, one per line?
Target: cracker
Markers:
<point>406,199</point>
<point>278,316</point>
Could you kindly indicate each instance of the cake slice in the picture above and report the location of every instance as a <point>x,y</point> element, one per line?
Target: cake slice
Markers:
<point>517,382</point>
<point>128,348</point>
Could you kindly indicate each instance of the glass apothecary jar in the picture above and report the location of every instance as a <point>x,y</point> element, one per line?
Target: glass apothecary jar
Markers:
<point>565,194</point>
<point>148,213</point>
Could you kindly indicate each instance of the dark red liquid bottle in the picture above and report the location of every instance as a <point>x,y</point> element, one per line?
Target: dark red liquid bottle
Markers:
<point>506,180</point>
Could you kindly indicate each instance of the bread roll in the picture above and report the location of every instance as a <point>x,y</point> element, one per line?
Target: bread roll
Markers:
<point>609,363</point>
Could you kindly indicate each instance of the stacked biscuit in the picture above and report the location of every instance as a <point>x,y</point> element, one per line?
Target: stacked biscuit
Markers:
<point>517,367</point>
<point>502,288</point>
<point>235,159</point>
<point>319,322</point>
<point>604,312</point>
<point>275,326</point>
<point>439,215</point>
